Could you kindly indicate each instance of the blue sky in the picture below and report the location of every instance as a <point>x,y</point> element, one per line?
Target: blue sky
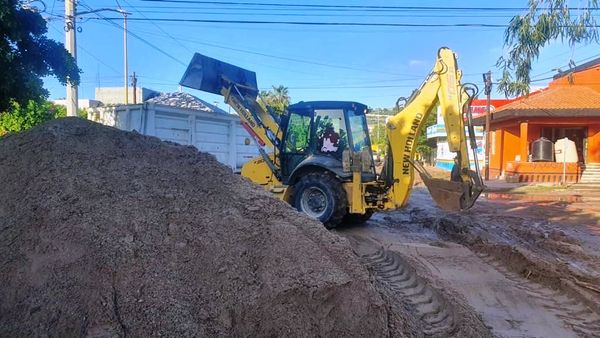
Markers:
<point>372,65</point>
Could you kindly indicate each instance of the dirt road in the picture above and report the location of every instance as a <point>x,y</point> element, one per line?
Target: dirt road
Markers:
<point>520,274</point>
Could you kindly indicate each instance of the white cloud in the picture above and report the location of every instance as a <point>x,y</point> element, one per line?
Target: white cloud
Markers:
<point>416,63</point>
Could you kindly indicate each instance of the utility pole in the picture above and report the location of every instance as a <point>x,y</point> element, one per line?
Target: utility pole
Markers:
<point>70,41</point>
<point>487,80</point>
<point>134,85</point>
<point>70,29</point>
<point>125,56</point>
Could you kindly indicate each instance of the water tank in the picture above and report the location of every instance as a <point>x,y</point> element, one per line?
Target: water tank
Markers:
<point>542,150</point>
<point>565,150</point>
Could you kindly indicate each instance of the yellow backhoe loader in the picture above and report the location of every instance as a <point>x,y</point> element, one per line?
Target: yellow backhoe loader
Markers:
<point>317,156</point>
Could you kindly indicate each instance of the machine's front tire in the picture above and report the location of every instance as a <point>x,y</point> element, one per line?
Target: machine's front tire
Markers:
<point>357,218</point>
<point>321,196</point>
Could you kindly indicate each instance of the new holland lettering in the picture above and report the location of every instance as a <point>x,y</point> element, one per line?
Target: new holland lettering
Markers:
<point>410,141</point>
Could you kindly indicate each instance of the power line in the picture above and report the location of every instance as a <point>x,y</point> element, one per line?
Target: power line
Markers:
<point>285,58</point>
<point>160,28</point>
<point>289,58</point>
<point>589,58</point>
<point>79,46</point>
<point>308,23</point>
<point>437,8</point>
<point>102,17</point>
<point>316,23</point>
<point>351,14</point>
<point>290,9</point>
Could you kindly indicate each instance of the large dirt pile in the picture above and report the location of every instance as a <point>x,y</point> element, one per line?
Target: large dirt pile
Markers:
<point>108,233</point>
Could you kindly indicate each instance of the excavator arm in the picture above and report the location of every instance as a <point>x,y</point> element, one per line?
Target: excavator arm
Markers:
<point>441,88</point>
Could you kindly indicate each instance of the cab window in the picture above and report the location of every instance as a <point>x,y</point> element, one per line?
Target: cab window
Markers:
<point>298,133</point>
<point>331,132</point>
<point>358,128</point>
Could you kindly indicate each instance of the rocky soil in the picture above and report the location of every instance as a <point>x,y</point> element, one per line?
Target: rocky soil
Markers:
<point>105,233</point>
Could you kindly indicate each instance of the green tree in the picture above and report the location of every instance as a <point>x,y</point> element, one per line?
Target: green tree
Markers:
<point>27,55</point>
<point>23,117</point>
<point>277,98</point>
<point>423,147</point>
<point>544,22</point>
<point>379,135</point>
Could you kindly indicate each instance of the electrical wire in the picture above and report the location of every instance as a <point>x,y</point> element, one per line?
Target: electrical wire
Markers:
<point>160,28</point>
<point>160,50</point>
<point>186,11</point>
<point>437,8</point>
<point>308,23</point>
<point>79,46</point>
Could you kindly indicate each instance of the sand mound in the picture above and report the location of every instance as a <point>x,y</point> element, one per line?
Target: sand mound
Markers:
<point>109,233</point>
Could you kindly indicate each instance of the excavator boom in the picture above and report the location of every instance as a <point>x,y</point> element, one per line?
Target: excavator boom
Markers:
<point>442,89</point>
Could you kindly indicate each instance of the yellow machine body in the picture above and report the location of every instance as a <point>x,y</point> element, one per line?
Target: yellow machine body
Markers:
<point>358,190</point>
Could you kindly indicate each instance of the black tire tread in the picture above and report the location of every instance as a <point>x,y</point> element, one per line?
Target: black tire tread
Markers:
<point>358,218</point>
<point>338,192</point>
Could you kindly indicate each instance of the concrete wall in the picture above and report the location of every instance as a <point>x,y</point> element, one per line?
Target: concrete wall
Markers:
<point>593,151</point>
<point>506,141</point>
<point>512,143</point>
<point>588,77</point>
<point>116,95</point>
<point>542,172</point>
<point>82,103</point>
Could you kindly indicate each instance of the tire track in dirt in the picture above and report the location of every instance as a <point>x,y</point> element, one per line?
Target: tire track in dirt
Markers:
<point>575,314</point>
<point>476,289</point>
<point>429,306</point>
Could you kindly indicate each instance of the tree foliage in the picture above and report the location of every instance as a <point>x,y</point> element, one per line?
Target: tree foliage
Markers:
<point>277,98</point>
<point>423,147</point>
<point>544,22</point>
<point>378,132</point>
<point>379,135</point>
<point>22,117</point>
<point>27,55</point>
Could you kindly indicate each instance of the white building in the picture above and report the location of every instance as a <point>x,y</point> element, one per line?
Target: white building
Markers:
<point>444,158</point>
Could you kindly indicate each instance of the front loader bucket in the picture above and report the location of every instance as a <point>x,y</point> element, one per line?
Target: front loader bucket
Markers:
<point>211,75</point>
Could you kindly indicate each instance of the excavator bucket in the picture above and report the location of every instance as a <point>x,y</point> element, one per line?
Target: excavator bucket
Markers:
<point>446,194</point>
<point>211,75</point>
<point>450,195</point>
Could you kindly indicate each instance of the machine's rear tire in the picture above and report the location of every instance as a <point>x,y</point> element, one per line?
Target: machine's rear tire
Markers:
<point>357,218</point>
<point>320,195</point>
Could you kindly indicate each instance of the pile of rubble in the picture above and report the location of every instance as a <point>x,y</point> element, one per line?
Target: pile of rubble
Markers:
<point>111,233</point>
<point>185,100</point>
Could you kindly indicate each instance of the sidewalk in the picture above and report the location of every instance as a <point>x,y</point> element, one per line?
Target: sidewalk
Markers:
<point>501,185</point>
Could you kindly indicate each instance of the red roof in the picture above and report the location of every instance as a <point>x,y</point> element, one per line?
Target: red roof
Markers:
<point>563,97</point>
<point>561,101</point>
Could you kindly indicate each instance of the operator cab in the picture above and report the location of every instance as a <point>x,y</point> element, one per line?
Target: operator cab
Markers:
<point>318,133</point>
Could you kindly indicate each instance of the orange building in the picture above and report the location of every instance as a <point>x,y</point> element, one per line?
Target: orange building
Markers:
<point>569,107</point>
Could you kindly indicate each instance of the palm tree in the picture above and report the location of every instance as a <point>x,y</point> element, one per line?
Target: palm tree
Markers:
<point>281,97</point>
<point>277,98</point>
